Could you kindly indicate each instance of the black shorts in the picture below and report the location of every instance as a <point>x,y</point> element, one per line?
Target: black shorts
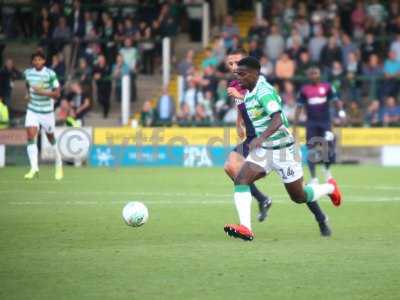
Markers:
<point>244,148</point>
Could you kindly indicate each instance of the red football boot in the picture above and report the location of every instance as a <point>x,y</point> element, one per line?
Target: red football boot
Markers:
<point>239,231</point>
<point>336,196</point>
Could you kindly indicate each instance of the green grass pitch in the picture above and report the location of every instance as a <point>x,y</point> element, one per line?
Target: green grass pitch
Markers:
<point>67,240</point>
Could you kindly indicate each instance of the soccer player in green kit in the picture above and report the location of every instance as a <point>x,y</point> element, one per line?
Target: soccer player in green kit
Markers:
<point>273,149</point>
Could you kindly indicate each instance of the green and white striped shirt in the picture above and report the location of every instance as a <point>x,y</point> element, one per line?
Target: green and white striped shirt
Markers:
<point>45,79</point>
<point>261,103</point>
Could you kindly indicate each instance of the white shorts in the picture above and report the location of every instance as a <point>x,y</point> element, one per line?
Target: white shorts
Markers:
<point>286,162</point>
<point>47,121</point>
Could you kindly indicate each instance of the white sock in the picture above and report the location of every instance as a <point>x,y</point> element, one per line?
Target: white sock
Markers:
<point>316,191</point>
<point>32,150</point>
<point>327,173</point>
<point>58,160</point>
<point>243,204</point>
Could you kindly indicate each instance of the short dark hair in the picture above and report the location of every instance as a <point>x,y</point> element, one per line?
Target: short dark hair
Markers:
<point>237,51</point>
<point>250,62</point>
<point>38,53</point>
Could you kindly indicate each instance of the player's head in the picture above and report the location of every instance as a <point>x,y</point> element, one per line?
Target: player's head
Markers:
<point>314,74</point>
<point>233,58</point>
<point>247,72</point>
<point>38,59</point>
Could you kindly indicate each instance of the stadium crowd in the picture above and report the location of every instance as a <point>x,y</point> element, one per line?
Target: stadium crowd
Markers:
<point>86,41</point>
<point>355,44</point>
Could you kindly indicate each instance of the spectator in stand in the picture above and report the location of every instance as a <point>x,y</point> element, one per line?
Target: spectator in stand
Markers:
<point>147,47</point>
<point>193,96</point>
<point>186,64</point>
<point>62,113</point>
<point>119,70</point>
<point>58,66</point>
<point>259,29</point>
<point>209,81</point>
<point>329,54</point>
<point>353,70</point>
<point>354,115</point>
<point>391,112</point>
<point>8,74</point>
<point>62,36</point>
<point>376,11</point>
<point>395,46</point>
<point>107,37</point>
<point>220,10</point>
<point>337,76</point>
<point>130,55</point>
<point>101,75</point>
<point>285,67</point>
<point>147,115</point>
<point>76,20</point>
<point>80,103</point>
<point>4,115</point>
<point>358,17</point>
<point>373,115</point>
<point>303,26</point>
<point>347,47</point>
<point>394,25</point>
<point>210,60</point>
<point>394,13</point>
<point>316,44</point>
<point>303,65</point>
<point>294,38</point>
<point>254,49</point>
<point>184,116</point>
<point>267,68</point>
<point>369,47</point>
<point>229,30</point>
<point>165,108</point>
<point>391,70</point>
<point>274,44</point>
<point>372,73</point>
<point>83,74</point>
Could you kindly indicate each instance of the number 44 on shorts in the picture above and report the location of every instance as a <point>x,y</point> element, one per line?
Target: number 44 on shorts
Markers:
<point>288,173</point>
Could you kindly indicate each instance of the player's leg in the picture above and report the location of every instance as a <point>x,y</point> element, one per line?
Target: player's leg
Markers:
<point>32,128</point>
<point>248,174</point>
<point>48,123</point>
<point>232,166</point>
<point>329,157</point>
<point>311,155</point>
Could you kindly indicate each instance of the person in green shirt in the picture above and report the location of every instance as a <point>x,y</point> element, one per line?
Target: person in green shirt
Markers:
<point>272,150</point>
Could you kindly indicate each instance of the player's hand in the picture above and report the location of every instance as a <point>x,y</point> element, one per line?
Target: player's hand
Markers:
<point>256,143</point>
<point>232,92</point>
<point>40,91</point>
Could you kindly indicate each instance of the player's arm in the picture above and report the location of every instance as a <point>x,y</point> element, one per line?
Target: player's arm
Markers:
<point>333,95</point>
<point>272,107</point>
<point>53,93</point>
<point>239,126</point>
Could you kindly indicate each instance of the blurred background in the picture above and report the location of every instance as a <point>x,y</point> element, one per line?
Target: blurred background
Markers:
<point>128,66</point>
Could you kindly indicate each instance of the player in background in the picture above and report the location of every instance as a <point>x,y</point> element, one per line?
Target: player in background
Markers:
<point>317,97</point>
<point>245,132</point>
<point>273,149</point>
<point>42,88</point>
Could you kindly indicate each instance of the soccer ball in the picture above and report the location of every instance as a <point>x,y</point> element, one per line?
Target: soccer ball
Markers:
<point>135,214</point>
